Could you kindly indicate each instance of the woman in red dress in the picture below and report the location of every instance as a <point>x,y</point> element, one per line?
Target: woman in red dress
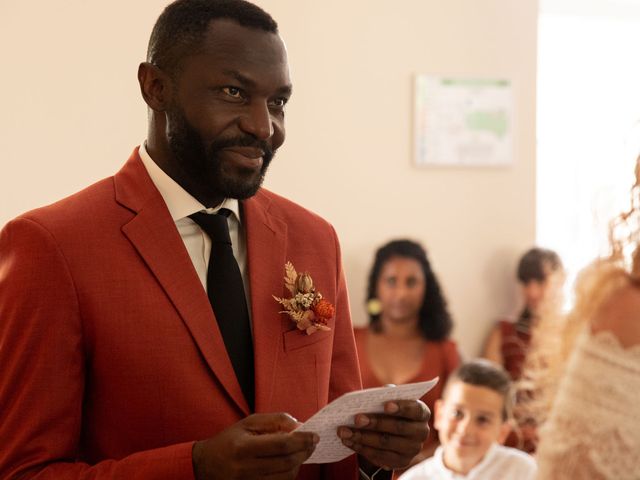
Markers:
<point>407,339</point>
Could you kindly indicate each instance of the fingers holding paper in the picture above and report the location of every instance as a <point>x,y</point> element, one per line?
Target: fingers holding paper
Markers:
<point>262,446</point>
<point>390,439</point>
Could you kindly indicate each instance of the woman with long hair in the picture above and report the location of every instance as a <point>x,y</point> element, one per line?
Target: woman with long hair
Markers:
<point>407,339</point>
<point>584,368</point>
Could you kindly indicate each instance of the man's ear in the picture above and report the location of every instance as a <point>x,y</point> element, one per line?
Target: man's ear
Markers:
<point>155,86</point>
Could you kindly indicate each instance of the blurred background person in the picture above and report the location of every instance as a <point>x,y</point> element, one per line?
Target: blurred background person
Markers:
<point>509,340</point>
<point>541,276</point>
<point>407,339</point>
<point>585,366</point>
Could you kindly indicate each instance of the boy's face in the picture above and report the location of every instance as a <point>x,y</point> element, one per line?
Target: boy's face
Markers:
<point>469,420</point>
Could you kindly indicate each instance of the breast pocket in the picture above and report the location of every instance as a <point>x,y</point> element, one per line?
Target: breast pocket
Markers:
<point>303,373</point>
<point>296,339</point>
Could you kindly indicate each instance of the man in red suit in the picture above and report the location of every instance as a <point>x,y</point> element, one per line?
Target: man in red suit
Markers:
<point>113,361</point>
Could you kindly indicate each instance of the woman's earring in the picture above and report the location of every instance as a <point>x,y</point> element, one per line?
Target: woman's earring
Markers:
<point>374,307</point>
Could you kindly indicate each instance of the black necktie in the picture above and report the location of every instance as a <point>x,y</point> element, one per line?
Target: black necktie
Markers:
<point>226,294</point>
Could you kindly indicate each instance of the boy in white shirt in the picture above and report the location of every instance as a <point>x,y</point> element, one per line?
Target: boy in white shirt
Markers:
<point>472,421</point>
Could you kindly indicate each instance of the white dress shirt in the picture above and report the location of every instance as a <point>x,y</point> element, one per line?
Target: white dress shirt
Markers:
<point>198,244</point>
<point>499,463</point>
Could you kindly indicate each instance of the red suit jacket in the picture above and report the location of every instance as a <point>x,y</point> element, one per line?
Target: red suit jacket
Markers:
<point>111,361</point>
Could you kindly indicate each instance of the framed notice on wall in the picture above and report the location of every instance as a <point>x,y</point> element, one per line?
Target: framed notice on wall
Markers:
<point>463,121</point>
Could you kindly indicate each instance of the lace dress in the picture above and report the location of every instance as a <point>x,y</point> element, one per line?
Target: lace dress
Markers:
<point>593,431</point>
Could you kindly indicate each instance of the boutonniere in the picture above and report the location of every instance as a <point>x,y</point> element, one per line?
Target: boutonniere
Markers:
<point>306,307</point>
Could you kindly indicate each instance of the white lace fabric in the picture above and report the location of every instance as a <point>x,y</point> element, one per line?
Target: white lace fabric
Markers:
<point>593,431</point>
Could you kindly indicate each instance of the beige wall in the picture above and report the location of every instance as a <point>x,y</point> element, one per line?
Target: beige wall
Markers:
<point>71,113</point>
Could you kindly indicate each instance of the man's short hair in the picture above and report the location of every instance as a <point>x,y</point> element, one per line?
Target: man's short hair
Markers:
<point>180,29</point>
<point>488,374</point>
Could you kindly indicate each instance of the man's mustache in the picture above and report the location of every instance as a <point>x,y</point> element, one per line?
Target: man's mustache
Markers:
<point>244,141</point>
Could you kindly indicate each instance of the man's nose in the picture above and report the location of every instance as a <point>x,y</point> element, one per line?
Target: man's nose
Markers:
<point>257,121</point>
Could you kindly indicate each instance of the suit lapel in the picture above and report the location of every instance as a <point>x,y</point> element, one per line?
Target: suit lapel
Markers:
<point>153,234</point>
<point>266,255</point>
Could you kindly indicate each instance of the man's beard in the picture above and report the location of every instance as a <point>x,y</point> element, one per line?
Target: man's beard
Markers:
<point>201,164</point>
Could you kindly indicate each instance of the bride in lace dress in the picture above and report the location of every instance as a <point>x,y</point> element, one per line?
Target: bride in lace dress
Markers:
<point>586,377</point>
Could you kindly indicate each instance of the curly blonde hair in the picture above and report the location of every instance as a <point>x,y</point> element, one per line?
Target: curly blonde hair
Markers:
<point>554,335</point>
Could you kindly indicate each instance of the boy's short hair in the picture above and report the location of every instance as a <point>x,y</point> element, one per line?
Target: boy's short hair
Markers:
<point>488,374</point>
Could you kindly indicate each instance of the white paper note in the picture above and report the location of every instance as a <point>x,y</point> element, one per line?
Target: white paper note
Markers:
<point>343,410</point>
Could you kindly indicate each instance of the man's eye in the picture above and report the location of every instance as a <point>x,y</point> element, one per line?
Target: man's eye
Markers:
<point>280,102</point>
<point>233,92</point>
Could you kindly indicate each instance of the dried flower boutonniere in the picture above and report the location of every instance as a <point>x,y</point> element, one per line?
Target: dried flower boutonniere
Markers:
<point>306,307</point>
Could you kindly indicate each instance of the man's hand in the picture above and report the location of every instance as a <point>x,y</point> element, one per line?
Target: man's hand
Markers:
<point>260,446</point>
<point>391,439</point>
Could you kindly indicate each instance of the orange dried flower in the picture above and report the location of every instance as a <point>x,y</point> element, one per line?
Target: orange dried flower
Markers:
<point>324,309</point>
<point>306,307</point>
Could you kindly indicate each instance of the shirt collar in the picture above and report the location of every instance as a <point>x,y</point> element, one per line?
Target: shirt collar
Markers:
<point>487,459</point>
<point>180,203</point>
<point>438,458</point>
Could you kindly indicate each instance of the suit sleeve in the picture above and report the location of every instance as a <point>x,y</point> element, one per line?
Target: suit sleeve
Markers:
<point>42,371</point>
<point>345,373</point>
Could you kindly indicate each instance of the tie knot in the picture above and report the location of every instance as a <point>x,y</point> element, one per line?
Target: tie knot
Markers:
<point>215,225</point>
